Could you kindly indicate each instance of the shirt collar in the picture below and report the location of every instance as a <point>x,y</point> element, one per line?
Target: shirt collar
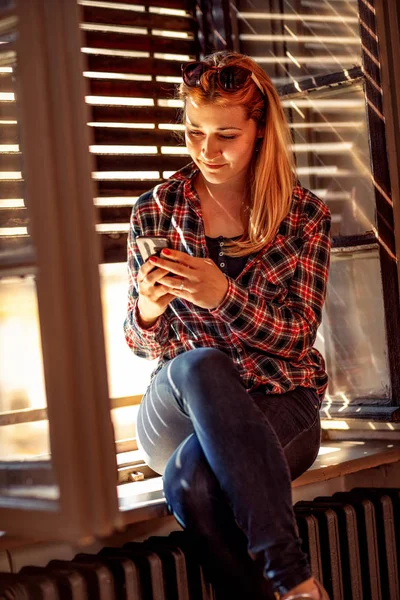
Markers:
<point>187,174</point>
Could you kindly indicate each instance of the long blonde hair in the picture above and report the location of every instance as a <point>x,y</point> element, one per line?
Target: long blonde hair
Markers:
<point>272,172</point>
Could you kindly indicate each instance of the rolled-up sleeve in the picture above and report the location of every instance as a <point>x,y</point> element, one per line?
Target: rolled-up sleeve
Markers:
<point>289,329</point>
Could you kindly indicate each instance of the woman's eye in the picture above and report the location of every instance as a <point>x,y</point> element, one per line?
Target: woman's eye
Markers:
<point>223,137</point>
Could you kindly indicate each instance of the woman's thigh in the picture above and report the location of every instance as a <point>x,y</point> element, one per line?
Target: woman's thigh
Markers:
<point>295,418</point>
<point>161,425</point>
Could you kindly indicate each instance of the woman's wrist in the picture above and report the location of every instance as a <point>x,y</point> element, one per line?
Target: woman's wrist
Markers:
<point>146,323</point>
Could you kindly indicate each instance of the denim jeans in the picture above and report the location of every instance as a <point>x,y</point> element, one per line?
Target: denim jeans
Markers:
<point>227,458</point>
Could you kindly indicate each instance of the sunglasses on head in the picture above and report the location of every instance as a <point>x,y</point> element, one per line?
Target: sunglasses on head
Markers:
<point>229,78</point>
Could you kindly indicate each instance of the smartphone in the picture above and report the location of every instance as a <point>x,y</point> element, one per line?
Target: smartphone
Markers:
<point>149,245</point>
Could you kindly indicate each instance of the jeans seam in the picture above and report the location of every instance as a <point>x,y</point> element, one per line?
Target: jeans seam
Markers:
<point>302,432</point>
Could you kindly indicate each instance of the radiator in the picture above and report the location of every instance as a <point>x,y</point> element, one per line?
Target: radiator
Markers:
<point>352,540</point>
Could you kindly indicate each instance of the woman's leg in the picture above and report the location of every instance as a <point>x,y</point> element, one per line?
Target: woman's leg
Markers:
<point>239,444</point>
<point>195,497</point>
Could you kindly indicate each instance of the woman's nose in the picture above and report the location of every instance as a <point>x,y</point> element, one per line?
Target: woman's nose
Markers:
<point>210,148</point>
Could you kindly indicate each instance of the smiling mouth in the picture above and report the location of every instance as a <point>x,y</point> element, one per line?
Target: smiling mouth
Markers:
<point>213,166</point>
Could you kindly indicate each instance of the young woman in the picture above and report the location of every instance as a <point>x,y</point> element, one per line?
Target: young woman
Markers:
<point>231,310</point>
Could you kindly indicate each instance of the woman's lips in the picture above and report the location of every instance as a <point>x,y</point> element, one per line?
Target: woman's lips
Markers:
<point>213,166</point>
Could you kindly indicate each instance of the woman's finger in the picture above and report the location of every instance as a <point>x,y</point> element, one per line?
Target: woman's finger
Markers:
<point>173,282</point>
<point>182,257</point>
<point>172,267</point>
<point>151,278</point>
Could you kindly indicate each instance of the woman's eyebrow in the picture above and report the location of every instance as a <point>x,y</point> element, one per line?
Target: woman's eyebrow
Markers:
<point>219,128</point>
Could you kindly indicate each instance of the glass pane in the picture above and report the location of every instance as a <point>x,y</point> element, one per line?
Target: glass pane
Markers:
<point>300,39</point>
<point>352,335</point>
<point>128,375</point>
<point>330,137</point>
<point>25,460</point>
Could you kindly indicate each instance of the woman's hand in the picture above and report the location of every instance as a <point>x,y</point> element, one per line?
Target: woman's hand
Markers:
<point>153,296</point>
<point>198,280</point>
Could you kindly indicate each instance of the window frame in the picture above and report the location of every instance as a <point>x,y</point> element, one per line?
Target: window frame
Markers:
<point>377,71</point>
<point>51,83</point>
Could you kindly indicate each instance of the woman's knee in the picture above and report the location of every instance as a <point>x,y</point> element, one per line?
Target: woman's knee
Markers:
<point>203,364</point>
<point>189,483</point>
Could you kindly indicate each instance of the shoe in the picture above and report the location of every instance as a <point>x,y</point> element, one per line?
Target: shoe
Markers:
<point>323,594</point>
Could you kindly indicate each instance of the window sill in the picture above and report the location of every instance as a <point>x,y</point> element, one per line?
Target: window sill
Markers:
<point>145,500</point>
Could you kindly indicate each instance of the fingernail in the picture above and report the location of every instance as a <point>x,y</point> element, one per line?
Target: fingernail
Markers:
<point>153,259</point>
<point>165,251</point>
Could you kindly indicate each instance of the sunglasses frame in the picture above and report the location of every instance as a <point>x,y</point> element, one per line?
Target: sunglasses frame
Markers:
<point>250,75</point>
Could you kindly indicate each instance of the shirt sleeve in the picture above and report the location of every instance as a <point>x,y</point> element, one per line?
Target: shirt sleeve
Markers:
<point>146,343</point>
<point>289,329</point>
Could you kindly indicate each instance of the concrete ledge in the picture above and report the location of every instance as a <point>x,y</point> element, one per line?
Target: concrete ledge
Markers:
<point>342,458</point>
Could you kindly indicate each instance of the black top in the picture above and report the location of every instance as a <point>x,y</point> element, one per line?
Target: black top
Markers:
<point>231,266</point>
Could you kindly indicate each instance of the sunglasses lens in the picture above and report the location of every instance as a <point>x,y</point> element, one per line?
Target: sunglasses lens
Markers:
<point>233,78</point>
<point>192,73</point>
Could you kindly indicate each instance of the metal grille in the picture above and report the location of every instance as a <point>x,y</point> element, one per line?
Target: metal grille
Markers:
<point>352,540</point>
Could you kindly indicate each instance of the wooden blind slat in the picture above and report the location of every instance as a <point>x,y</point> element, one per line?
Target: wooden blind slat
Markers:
<point>11,189</point>
<point>15,244</point>
<point>144,137</point>
<point>176,4</point>
<point>114,214</point>
<point>13,217</point>
<point>8,134</point>
<point>266,26</point>
<point>18,217</point>
<point>341,7</point>
<point>138,66</point>
<point>258,48</point>
<point>128,18</point>
<point>114,247</point>
<point>125,188</point>
<point>141,43</point>
<point>8,111</point>
<point>134,114</point>
<point>152,162</point>
<point>10,162</point>
<point>6,83</point>
<point>131,89</point>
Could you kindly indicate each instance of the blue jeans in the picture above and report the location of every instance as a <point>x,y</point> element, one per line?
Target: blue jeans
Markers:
<point>227,458</point>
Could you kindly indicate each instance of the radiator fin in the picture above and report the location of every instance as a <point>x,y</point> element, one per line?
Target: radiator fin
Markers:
<point>352,540</point>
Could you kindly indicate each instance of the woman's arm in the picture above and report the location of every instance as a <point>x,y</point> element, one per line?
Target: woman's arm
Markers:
<point>287,330</point>
<point>144,342</point>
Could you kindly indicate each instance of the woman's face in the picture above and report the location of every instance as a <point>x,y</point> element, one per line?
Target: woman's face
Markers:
<point>220,137</point>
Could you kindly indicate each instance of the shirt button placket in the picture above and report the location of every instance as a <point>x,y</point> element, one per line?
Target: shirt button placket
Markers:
<point>221,264</point>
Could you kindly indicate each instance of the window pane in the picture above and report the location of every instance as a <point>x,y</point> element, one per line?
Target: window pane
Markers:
<point>330,137</point>
<point>128,375</point>
<point>352,336</point>
<point>24,433</point>
<point>302,39</point>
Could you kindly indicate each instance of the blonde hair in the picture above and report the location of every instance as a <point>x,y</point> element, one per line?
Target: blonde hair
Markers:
<point>272,172</point>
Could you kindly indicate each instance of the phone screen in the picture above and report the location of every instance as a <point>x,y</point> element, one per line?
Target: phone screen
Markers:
<point>149,245</point>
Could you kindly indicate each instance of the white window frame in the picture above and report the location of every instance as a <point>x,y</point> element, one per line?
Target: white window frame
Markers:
<point>59,195</point>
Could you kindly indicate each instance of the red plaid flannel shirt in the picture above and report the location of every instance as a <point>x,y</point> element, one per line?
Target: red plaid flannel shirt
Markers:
<point>269,318</point>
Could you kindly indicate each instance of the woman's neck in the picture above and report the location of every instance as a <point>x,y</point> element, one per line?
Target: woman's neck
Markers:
<point>223,210</point>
